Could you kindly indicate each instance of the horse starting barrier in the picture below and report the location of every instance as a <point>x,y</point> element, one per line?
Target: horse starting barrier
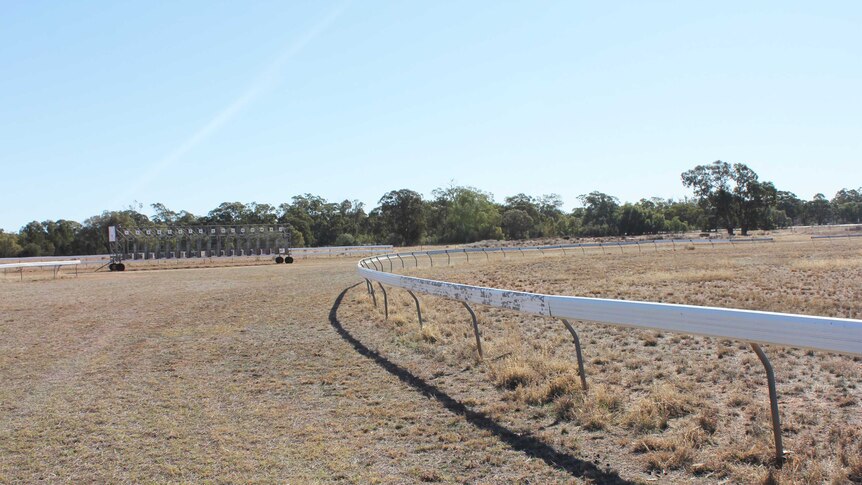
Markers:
<point>840,335</point>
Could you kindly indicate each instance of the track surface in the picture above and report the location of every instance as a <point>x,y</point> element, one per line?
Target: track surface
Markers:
<point>231,375</point>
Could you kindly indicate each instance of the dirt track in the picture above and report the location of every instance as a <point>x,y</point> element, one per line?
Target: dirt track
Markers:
<point>229,375</point>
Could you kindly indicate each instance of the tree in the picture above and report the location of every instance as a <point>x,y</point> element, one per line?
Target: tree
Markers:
<point>818,210</point>
<point>403,215</point>
<point>731,195</point>
<point>465,214</point>
<point>9,246</point>
<point>751,198</point>
<point>790,204</point>
<point>711,185</point>
<point>517,224</point>
<point>600,213</point>
<point>228,213</point>
<point>847,206</point>
<point>163,215</point>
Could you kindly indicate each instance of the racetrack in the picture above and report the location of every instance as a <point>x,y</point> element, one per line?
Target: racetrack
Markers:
<point>226,375</point>
<point>288,373</point>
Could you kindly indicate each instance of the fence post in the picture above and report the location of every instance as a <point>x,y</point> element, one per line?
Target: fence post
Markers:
<point>773,403</point>
<point>578,353</point>
<point>475,329</point>
<point>385,300</point>
<point>373,295</point>
<point>418,310</point>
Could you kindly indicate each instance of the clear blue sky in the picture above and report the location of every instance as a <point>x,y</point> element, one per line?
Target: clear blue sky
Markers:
<point>195,103</point>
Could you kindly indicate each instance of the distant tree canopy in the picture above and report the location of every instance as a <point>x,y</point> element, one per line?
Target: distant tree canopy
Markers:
<point>726,197</point>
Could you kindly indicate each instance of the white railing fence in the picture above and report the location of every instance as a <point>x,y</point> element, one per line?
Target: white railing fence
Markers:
<point>839,335</point>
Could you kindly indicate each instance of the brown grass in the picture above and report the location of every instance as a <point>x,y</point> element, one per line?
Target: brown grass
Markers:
<point>688,407</point>
<point>235,375</point>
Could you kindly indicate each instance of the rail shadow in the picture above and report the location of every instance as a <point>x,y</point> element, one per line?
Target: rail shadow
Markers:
<point>526,444</point>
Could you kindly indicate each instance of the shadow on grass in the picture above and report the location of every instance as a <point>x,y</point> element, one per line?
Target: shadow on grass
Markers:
<point>526,444</point>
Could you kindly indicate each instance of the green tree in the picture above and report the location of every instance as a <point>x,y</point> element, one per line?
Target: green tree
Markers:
<point>465,214</point>
<point>818,210</point>
<point>517,224</point>
<point>9,246</point>
<point>600,216</point>
<point>403,215</point>
<point>847,206</point>
<point>711,185</point>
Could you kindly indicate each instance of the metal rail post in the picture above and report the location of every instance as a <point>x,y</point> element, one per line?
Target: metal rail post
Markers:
<point>578,353</point>
<point>448,258</point>
<point>414,259</point>
<point>487,258</point>
<point>373,294</point>
<point>399,258</point>
<point>467,254</point>
<point>429,257</point>
<point>385,300</point>
<point>773,403</point>
<point>418,310</point>
<point>475,330</point>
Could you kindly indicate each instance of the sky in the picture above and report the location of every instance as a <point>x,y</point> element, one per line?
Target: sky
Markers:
<point>104,105</point>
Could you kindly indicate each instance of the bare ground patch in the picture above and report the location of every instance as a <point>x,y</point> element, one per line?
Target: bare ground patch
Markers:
<point>228,375</point>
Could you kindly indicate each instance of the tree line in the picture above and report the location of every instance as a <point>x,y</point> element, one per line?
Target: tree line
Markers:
<point>726,197</point>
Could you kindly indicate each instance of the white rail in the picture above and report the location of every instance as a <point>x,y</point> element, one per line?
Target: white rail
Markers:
<point>39,264</point>
<point>840,335</point>
<point>830,334</point>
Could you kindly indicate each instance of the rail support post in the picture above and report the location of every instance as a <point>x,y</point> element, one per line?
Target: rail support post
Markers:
<point>773,403</point>
<point>578,353</point>
<point>418,310</point>
<point>467,254</point>
<point>430,259</point>
<point>414,259</point>
<point>399,258</point>
<point>475,329</point>
<point>385,300</point>
<point>448,258</point>
<point>373,294</point>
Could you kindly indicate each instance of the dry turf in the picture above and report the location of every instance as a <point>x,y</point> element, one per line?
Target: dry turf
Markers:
<point>290,374</point>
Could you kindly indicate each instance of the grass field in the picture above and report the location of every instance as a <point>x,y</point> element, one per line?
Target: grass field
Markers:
<point>271,373</point>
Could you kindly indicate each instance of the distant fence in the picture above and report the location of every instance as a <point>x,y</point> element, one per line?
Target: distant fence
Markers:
<point>55,265</point>
<point>92,259</point>
<point>755,327</point>
<point>837,236</point>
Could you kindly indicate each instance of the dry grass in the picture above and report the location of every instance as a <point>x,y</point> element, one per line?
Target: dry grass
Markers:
<point>235,375</point>
<point>220,375</point>
<point>684,407</point>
